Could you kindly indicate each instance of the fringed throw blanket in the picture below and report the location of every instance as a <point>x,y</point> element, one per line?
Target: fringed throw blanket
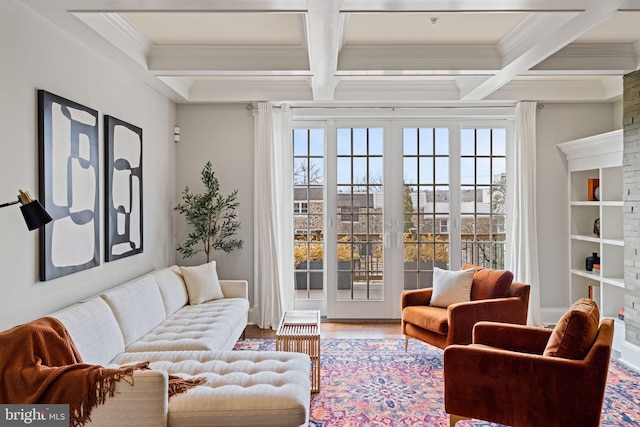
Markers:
<point>39,363</point>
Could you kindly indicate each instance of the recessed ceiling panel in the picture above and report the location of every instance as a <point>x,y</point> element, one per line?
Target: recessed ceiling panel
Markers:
<point>218,28</point>
<point>623,27</point>
<point>430,28</point>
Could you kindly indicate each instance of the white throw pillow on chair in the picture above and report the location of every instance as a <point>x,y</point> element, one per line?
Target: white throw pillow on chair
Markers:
<point>450,287</point>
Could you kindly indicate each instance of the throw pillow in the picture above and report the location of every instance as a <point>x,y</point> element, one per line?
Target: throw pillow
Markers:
<point>576,331</point>
<point>450,287</point>
<point>202,283</point>
<point>489,283</point>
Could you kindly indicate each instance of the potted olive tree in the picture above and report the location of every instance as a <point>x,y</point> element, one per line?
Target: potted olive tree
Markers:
<point>212,217</point>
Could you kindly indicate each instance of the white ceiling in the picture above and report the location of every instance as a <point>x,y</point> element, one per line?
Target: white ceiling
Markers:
<point>364,51</point>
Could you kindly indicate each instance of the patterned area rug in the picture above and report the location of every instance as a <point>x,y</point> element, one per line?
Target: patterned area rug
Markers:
<point>373,382</point>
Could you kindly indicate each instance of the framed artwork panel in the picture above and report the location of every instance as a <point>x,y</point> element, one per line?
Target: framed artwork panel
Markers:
<point>69,185</point>
<point>123,189</point>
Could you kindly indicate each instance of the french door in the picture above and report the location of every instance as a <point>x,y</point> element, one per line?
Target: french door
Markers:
<point>358,226</point>
<point>379,205</point>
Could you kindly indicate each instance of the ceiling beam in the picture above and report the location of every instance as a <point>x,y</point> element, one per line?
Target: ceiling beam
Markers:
<point>178,5</point>
<point>596,12</point>
<point>356,6</point>
<point>323,38</point>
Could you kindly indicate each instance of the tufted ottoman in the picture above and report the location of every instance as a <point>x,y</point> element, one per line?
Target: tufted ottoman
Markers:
<point>243,388</point>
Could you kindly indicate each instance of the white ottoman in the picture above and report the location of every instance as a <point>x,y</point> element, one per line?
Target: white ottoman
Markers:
<point>243,388</point>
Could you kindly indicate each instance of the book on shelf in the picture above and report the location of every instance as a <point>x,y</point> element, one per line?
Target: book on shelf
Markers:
<point>300,318</point>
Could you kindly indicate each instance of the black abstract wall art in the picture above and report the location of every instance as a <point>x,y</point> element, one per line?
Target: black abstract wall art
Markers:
<point>68,185</point>
<point>123,189</point>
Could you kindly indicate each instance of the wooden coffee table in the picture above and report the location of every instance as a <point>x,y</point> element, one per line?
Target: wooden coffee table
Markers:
<point>299,331</point>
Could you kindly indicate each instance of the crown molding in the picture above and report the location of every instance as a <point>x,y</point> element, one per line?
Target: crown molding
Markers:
<point>554,90</point>
<point>609,58</point>
<point>249,91</point>
<point>118,30</point>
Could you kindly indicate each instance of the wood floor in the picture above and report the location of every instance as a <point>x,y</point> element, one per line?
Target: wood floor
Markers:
<point>346,329</point>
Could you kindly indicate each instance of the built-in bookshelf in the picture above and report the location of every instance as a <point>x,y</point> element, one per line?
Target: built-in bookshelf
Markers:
<point>595,192</point>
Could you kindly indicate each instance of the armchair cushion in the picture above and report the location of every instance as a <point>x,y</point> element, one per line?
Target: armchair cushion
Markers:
<point>450,287</point>
<point>489,283</point>
<point>576,331</point>
<point>433,319</point>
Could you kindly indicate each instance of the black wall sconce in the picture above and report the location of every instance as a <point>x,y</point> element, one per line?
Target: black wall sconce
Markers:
<point>34,214</point>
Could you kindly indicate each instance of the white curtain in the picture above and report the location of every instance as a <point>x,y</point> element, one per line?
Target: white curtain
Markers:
<point>522,258</point>
<point>273,239</point>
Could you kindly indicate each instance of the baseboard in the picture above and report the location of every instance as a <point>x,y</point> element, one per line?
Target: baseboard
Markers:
<point>631,355</point>
<point>550,315</point>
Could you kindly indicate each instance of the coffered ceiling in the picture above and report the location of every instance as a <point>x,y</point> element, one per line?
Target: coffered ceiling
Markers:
<point>357,51</point>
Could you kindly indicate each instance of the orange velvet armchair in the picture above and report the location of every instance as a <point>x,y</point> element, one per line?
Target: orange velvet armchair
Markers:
<point>494,297</point>
<point>508,376</point>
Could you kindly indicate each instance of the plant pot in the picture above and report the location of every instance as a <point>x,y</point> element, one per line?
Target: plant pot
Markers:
<point>316,277</point>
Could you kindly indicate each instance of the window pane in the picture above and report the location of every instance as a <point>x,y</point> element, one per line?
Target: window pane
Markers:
<point>359,142</point>
<point>316,142</point>
<point>359,170</point>
<point>467,170</point>
<point>442,199</point>
<point>483,170</point>
<point>375,170</point>
<point>316,171</point>
<point>483,142</point>
<point>410,141</point>
<point>442,170</point>
<point>343,142</point>
<point>499,142</point>
<point>426,170</point>
<point>300,142</point>
<point>467,199</point>
<point>467,142</point>
<point>410,170</point>
<point>344,170</point>
<point>426,142</point>
<point>375,142</point>
<point>498,199</point>
<point>499,170</point>
<point>442,141</point>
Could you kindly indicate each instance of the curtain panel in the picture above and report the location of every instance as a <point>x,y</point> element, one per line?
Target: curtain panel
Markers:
<point>273,240</point>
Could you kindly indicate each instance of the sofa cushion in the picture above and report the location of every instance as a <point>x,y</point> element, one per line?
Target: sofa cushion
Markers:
<point>172,288</point>
<point>575,332</point>
<point>265,388</point>
<point>427,317</point>
<point>214,325</point>
<point>450,287</point>
<point>489,283</point>
<point>93,329</point>
<point>202,283</point>
<point>137,306</point>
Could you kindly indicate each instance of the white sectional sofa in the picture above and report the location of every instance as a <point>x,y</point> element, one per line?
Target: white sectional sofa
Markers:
<point>151,319</point>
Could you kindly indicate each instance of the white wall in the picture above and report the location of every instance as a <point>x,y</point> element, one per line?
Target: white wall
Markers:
<point>557,123</point>
<point>222,134</point>
<point>36,54</point>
